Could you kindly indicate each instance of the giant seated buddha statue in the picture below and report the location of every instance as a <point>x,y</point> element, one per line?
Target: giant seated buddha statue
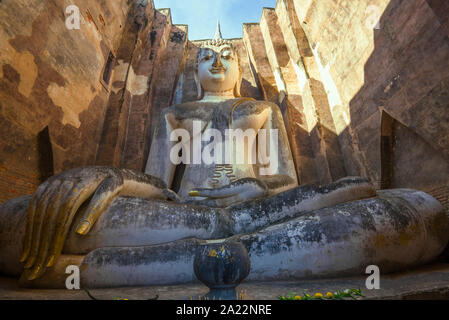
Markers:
<point>129,228</point>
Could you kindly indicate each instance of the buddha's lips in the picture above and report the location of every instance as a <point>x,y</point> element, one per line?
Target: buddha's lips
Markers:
<point>217,70</point>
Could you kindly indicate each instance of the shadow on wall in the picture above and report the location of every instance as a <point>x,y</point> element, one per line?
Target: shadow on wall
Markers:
<point>399,118</point>
<point>45,152</point>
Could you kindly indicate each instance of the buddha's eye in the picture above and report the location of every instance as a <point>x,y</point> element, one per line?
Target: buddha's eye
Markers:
<point>207,55</point>
<point>227,54</point>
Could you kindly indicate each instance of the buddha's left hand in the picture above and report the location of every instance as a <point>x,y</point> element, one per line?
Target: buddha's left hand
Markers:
<point>238,191</point>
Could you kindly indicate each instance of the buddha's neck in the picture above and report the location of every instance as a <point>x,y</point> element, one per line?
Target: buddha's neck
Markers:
<point>218,96</point>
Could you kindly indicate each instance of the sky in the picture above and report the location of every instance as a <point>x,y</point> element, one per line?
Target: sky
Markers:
<point>201,15</point>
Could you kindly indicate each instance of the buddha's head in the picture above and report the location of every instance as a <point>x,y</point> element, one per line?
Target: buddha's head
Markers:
<point>218,69</point>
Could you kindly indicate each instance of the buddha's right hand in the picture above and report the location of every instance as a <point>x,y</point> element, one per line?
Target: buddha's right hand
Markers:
<point>55,203</point>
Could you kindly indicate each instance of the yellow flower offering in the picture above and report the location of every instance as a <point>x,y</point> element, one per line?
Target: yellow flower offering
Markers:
<point>329,295</point>
<point>297,298</point>
<point>318,295</point>
<point>212,253</point>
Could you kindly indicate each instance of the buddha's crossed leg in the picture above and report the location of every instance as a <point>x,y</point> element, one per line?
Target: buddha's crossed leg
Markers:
<point>138,222</point>
<point>398,229</point>
<point>140,242</point>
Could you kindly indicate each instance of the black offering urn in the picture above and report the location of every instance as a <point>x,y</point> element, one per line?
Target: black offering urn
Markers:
<point>221,267</point>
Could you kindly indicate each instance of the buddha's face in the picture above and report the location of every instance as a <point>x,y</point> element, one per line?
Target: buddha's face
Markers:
<point>218,68</point>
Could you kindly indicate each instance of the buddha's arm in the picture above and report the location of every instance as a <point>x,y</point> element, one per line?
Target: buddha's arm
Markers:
<point>125,182</point>
<point>55,202</point>
<point>279,174</point>
<point>159,163</point>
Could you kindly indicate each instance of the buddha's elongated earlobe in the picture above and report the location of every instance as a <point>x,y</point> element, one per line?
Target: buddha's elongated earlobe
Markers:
<point>198,84</point>
<point>239,83</point>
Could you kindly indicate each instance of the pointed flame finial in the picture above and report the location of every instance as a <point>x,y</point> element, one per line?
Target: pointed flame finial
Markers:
<point>217,40</point>
<point>218,32</point>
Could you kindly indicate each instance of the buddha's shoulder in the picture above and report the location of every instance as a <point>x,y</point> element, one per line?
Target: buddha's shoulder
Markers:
<point>262,104</point>
<point>184,108</point>
<point>256,106</point>
<point>240,104</point>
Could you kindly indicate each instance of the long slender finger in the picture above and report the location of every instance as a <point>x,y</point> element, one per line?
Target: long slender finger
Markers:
<point>239,187</point>
<point>72,202</point>
<point>49,228</point>
<point>212,203</point>
<point>220,203</point>
<point>221,192</point>
<point>170,194</point>
<point>30,221</point>
<point>226,202</point>
<point>38,221</point>
<point>104,195</point>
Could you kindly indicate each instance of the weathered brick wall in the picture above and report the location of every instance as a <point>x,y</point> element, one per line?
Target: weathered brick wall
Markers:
<point>15,183</point>
<point>401,67</point>
<point>145,78</point>
<point>50,78</point>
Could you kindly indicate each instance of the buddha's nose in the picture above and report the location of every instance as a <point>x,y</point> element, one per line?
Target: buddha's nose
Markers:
<point>217,61</point>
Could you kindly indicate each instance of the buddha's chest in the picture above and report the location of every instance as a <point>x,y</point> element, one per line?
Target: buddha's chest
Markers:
<point>222,117</point>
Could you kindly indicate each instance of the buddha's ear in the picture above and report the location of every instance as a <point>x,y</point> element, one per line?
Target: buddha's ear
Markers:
<point>198,84</point>
<point>239,83</point>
